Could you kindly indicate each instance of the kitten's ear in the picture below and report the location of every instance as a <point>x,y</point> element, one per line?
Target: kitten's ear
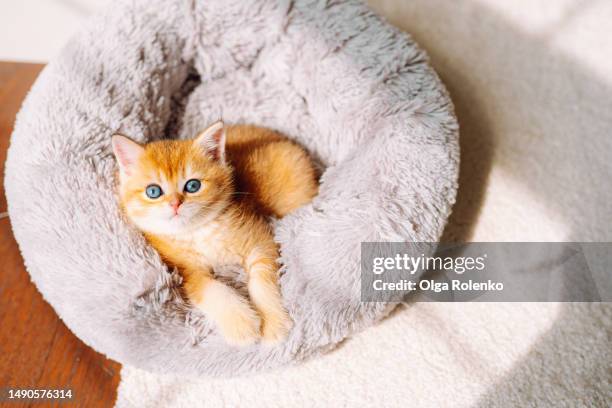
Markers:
<point>127,152</point>
<point>213,140</point>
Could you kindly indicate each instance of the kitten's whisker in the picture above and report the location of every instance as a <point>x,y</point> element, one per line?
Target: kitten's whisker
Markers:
<point>207,207</point>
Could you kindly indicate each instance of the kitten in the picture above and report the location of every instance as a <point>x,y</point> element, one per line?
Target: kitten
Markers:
<point>203,203</point>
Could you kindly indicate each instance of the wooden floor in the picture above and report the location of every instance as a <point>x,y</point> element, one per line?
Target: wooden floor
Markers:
<point>36,348</point>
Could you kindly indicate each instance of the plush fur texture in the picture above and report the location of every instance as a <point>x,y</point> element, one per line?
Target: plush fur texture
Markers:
<point>357,93</point>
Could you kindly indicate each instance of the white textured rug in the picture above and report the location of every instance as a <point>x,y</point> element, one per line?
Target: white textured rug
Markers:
<point>532,81</point>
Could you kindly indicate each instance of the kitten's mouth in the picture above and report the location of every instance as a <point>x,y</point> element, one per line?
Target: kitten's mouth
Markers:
<point>173,217</point>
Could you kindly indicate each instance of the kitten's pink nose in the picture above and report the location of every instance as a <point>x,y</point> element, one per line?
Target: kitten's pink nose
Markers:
<point>175,203</point>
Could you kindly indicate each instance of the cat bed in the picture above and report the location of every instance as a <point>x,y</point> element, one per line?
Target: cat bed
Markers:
<point>356,92</point>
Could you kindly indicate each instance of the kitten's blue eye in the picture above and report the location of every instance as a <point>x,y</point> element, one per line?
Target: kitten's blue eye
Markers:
<point>153,191</point>
<point>192,186</point>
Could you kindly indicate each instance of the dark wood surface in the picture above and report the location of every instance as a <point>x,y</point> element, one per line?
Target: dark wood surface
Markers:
<point>36,348</point>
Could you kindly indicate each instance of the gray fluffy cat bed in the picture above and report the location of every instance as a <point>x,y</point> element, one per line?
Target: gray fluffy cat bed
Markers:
<point>355,91</point>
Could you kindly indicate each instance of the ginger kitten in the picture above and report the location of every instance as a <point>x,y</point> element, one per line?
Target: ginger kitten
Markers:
<point>203,203</point>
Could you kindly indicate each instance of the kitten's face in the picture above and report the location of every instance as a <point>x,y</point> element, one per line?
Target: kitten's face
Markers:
<point>171,187</point>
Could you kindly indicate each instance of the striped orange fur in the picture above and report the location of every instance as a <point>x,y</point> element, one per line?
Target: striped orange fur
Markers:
<point>246,173</point>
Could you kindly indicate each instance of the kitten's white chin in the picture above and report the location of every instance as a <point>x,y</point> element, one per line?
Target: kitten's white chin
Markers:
<point>163,226</point>
<point>184,222</point>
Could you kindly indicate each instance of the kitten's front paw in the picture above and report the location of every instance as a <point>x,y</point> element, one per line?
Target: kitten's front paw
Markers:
<point>276,326</point>
<point>240,325</point>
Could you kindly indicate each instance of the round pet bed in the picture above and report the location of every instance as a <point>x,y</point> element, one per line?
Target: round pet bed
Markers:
<point>356,92</point>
